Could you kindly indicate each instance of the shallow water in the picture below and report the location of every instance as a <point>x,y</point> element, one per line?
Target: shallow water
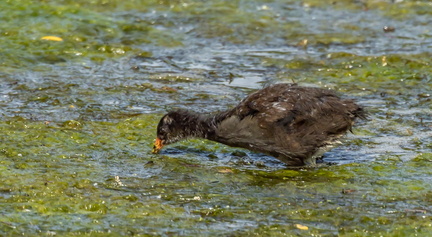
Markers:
<point>78,117</point>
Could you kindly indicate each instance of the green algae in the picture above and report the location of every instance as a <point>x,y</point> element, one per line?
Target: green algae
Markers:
<point>79,190</point>
<point>75,145</point>
<point>391,72</point>
<point>86,33</point>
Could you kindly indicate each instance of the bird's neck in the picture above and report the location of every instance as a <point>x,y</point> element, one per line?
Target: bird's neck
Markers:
<point>197,125</point>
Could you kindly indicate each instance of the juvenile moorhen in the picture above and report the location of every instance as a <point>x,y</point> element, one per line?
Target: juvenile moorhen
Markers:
<point>292,123</point>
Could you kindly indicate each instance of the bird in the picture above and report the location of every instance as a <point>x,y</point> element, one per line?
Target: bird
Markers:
<point>292,123</point>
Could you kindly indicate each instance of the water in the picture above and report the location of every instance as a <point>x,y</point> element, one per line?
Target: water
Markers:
<point>78,117</point>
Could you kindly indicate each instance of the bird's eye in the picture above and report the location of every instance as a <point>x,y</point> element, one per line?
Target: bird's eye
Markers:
<point>165,129</point>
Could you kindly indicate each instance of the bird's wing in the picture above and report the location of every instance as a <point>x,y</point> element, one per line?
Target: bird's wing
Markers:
<point>269,105</point>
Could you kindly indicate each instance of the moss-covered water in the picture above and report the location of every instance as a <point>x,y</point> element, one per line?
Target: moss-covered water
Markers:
<point>78,117</point>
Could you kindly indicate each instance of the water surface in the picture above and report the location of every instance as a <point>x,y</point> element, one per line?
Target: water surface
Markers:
<point>78,117</point>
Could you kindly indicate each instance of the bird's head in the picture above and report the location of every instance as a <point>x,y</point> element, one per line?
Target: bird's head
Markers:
<point>169,130</point>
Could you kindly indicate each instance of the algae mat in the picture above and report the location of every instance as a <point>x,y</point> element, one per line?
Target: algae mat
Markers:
<point>84,83</point>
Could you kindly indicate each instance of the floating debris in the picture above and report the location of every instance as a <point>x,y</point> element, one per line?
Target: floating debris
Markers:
<point>52,38</point>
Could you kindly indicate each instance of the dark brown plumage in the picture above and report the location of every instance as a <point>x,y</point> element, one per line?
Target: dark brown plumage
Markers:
<point>292,123</point>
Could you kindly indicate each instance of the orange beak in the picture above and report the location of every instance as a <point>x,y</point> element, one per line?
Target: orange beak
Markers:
<point>157,146</point>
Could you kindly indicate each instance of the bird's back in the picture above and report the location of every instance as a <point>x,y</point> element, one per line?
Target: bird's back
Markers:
<point>289,122</point>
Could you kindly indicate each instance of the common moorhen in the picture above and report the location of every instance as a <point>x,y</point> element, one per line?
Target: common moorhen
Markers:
<point>292,123</point>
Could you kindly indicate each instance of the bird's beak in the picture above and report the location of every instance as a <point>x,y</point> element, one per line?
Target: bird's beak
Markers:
<point>157,145</point>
